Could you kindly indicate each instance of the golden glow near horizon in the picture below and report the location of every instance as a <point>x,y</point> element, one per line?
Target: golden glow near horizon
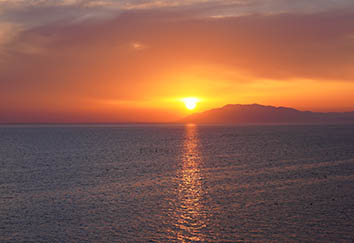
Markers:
<point>190,102</point>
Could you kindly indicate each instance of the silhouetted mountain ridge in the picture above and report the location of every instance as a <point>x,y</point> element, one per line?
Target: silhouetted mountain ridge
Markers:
<point>260,114</point>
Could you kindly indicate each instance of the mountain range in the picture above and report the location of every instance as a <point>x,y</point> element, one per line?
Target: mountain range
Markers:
<point>260,114</point>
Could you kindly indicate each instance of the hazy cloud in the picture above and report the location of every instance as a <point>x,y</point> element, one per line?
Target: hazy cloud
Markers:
<point>279,46</point>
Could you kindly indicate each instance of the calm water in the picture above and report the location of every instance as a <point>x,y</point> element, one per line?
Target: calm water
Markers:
<point>176,183</point>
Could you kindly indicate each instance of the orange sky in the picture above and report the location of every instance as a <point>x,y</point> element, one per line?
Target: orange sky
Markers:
<point>133,61</point>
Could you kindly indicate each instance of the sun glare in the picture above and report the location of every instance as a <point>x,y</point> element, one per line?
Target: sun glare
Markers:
<point>190,102</point>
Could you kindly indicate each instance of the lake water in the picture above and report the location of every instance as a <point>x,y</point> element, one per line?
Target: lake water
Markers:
<point>163,183</point>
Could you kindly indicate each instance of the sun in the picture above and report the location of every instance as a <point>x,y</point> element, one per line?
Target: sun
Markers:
<point>190,102</point>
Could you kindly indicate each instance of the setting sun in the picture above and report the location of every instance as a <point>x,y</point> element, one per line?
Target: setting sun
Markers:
<point>190,102</point>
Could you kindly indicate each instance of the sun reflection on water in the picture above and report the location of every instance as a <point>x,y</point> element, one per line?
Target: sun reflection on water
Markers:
<point>189,214</point>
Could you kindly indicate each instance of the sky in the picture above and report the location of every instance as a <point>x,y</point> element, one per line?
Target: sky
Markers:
<point>135,60</point>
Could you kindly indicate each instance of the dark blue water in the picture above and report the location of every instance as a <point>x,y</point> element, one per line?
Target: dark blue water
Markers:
<point>176,183</point>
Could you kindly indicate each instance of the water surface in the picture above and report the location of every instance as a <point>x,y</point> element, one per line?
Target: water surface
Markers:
<point>176,183</point>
